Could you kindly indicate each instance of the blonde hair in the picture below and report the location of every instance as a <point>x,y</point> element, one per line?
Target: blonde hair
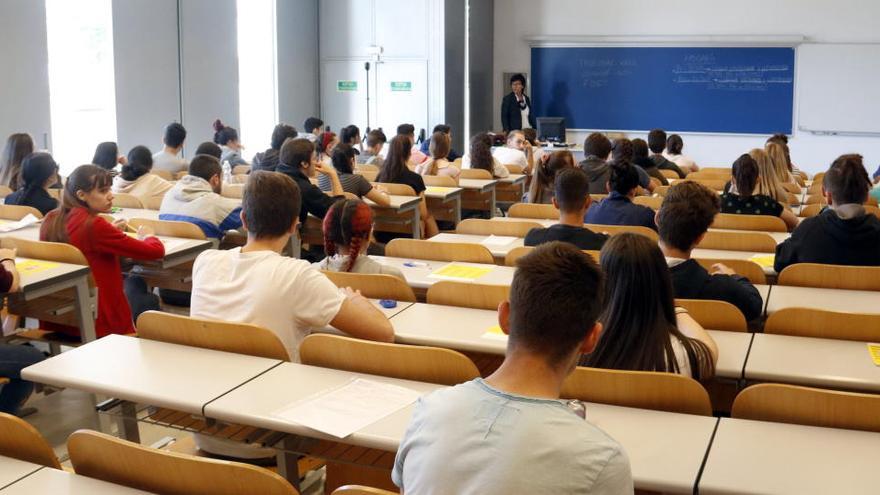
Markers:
<point>779,161</point>
<point>768,183</point>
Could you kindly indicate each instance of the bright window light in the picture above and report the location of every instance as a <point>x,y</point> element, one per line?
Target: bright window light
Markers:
<point>82,88</point>
<point>257,81</point>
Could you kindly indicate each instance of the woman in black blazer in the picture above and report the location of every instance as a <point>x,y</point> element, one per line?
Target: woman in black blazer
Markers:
<point>515,104</point>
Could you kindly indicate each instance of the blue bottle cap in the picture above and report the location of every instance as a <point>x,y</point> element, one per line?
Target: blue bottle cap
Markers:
<point>388,303</point>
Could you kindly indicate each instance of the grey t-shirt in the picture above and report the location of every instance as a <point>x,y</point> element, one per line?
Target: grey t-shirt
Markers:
<point>474,439</point>
<point>172,163</point>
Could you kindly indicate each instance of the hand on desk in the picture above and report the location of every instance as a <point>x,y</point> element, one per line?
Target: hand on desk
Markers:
<point>722,269</point>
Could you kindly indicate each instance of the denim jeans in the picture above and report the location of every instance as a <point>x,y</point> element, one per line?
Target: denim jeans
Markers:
<point>13,358</point>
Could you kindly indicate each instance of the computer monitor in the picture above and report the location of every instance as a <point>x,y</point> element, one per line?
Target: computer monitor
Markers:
<point>551,129</point>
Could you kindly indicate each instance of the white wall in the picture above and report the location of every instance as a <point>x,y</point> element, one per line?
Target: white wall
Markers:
<point>297,40</point>
<point>818,20</point>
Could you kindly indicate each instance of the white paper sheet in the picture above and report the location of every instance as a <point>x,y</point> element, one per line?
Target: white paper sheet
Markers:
<point>349,408</point>
<point>497,240</point>
<point>27,221</point>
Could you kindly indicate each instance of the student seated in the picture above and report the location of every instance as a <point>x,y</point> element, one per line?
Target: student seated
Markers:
<point>395,171</point>
<point>256,284</point>
<point>324,146</point>
<point>196,198</point>
<point>227,138</point>
<point>372,155</point>
<point>541,188</point>
<point>844,233</point>
<point>18,146</point>
<point>644,331</point>
<point>299,161</point>
<point>743,202</point>
<point>438,163</point>
<point>415,155</point>
<point>657,143</point>
<point>510,432</point>
<point>674,146</point>
<point>597,151</point>
<point>167,159</point>
<point>268,160</point>
<point>518,151</point>
<point>641,159</point>
<point>311,128</point>
<point>618,208</point>
<point>209,148</point>
<point>480,157</point>
<point>39,172</point>
<point>86,194</point>
<point>686,214</point>
<point>779,160</point>
<point>767,184</point>
<point>350,135</point>
<point>572,199</point>
<point>445,129</point>
<point>344,159</point>
<point>107,156</point>
<point>348,228</point>
<point>136,179</point>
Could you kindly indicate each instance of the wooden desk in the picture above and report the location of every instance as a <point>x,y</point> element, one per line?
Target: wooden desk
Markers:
<point>779,237</point>
<point>479,194</point>
<point>825,363</point>
<point>544,222</point>
<point>858,301</point>
<point>760,457</point>
<point>13,470</point>
<point>511,189</point>
<point>406,206</point>
<point>444,203</point>
<point>58,482</point>
<point>498,251</point>
<point>732,255</point>
<point>418,276</point>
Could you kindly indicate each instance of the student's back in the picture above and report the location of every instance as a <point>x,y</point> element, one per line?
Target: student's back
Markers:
<point>195,199</point>
<point>618,208</point>
<point>571,197</point>
<point>38,171</point>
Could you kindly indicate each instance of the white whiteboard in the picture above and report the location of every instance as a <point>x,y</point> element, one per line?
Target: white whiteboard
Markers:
<point>838,88</point>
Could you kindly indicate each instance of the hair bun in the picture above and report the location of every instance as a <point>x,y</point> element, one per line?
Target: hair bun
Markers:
<point>218,125</point>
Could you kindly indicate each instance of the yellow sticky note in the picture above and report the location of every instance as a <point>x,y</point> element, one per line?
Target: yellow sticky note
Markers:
<point>437,190</point>
<point>460,272</point>
<point>874,351</point>
<point>765,260</point>
<point>31,267</point>
<point>496,333</point>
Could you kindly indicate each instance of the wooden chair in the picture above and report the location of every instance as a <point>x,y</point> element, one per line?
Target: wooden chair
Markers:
<point>5,191</point>
<point>110,459</point>
<point>597,198</point>
<point>366,167</point>
<point>513,168</point>
<point>170,228</point>
<point>163,174</point>
<point>476,173</point>
<point>369,175</point>
<point>241,170</point>
<point>239,338</point>
<point>17,212</point>
<point>715,315</point>
<point>723,174</point>
<point>746,268</point>
<point>468,295</point>
<point>419,363</point>
<point>153,202</point>
<point>235,191</point>
<point>457,163</point>
<point>20,440</point>
<point>518,252</point>
<point>792,199</point>
<point>792,188</point>
<point>720,170</point>
<point>181,174</point>
<point>793,404</point>
<point>439,181</point>
<point>713,184</point>
<point>617,229</point>
<point>811,210</point>
<point>669,174</point>
<point>661,190</point>
<point>732,221</point>
<point>533,210</point>
<point>815,199</point>
<point>811,322</point>
<point>738,241</point>
<point>373,286</point>
<point>652,202</point>
<point>831,276</point>
<point>396,189</point>
<point>123,200</point>
<point>642,389</point>
<point>439,251</point>
<point>361,490</point>
<point>479,226</point>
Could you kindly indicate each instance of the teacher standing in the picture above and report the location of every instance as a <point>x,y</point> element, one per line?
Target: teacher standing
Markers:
<point>516,107</point>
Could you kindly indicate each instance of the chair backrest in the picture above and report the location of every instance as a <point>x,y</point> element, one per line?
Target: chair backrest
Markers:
<point>234,191</point>
<point>153,202</point>
<point>642,389</point>
<point>468,295</point>
<point>518,252</point>
<point>240,338</point>
<point>793,404</point>
<point>747,268</point>
<point>715,315</point>
<point>661,190</point>
<point>479,226</point>
<point>738,241</point>
<point>396,189</point>
<point>241,170</point>
<point>181,174</point>
<point>124,200</point>
<point>374,286</point>
<point>533,210</point>
<point>652,202</point>
<point>424,364</point>
<point>170,228</point>
<point>669,174</point>
<point>165,174</point>
<point>366,167</point>
<point>617,229</point>
<point>596,198</point>
<point>476,173</point>
<point>20,440</point>
<point>732,221</point>
<point>49,251</point>
<point>831,276</point>
<point>811,210</point>
<point>513,168</point>
<point>370,175</point>
<point>361,490</point>
<point>811,322</point>
<point>111,459</point>
<point>713,184</point>
<point>439,251</point>
<point>713,174</point>
<point>792,187</point>
<point>17,212</point>
<point>439,181</point>
<point>5,191</point>
<point>792,199</point>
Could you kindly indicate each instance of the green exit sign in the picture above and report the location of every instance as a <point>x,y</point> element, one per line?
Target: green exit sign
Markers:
<point>401,85</point>
<point>346,85</point>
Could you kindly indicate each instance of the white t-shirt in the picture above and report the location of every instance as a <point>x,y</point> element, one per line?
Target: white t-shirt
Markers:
<point>524,114</point>
<point>172,163</point>
<point>499,170</point>
<point>510,156</point>
<point>286,295</point>
<point>683,161</point>
<point>681,357</point>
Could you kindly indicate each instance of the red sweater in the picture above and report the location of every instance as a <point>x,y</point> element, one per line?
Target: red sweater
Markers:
<point>103,245</point>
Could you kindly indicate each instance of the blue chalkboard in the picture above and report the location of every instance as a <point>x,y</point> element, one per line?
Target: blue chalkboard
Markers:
<point>718,90</point>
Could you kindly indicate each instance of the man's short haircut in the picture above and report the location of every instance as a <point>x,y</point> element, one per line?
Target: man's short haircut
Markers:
<point>209,148</point>
<point>205,166</point>
<point>622,150</point>
<point>281,133</point>
<point>312,123</point>
<point>295,152</point>
<point>571,188</point>
<point>640,148</point>
<point>270,204</point>
<point>406,130</point>
<point>513,133</point>
<point>445,129</point>
<point>674,144</point>
<point>375,137</point>
<point>657,140</point>
<point>847,180</point>
<point>623,178</point>
<point>597,144</point>
<point>555,300</point>
<point>175,134</point>
<point>688,210</point>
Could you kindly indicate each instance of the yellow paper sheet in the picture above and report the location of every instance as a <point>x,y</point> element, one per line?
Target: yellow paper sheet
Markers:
<point>874,351</point>
<point>460,272</point>
<point>438,190</point>
<point>31,267</point>
<point>495,333</point>
<point>765,260</point>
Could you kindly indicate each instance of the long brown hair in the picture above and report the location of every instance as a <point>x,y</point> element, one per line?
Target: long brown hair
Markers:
<point>545,174</point>
<point>85,178</point>
<point>18,146</point>
<point>395,163</point>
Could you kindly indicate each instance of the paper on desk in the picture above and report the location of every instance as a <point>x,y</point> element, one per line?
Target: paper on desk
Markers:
<point>465,273</point>
<point>874,351</point>
<point>27,221</point>
<point>349,408</point>
<point>31,267</point>
<point>438,190</point>
<point>764,260</point>
<point>169,242</point>
<point>495,333</point>
<point>497,240</point>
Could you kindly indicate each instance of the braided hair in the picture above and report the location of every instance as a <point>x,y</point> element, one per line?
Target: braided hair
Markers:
<point>347,223</point>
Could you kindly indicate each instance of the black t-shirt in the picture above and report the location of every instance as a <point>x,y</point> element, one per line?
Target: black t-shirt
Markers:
<point>582,238</point>
<point>750,205</point>
<point>412,180</point>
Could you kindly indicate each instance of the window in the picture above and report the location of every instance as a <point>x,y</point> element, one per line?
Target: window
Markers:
<point>257,81</point>
<point>82,90</point>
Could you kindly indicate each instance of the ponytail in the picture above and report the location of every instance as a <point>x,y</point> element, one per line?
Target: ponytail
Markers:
<point>745,175</point>
<point>140,162</point>
<point>546,171</point>
<point>224,134</point>
<point>347,223</point>
<point>847,180</point>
